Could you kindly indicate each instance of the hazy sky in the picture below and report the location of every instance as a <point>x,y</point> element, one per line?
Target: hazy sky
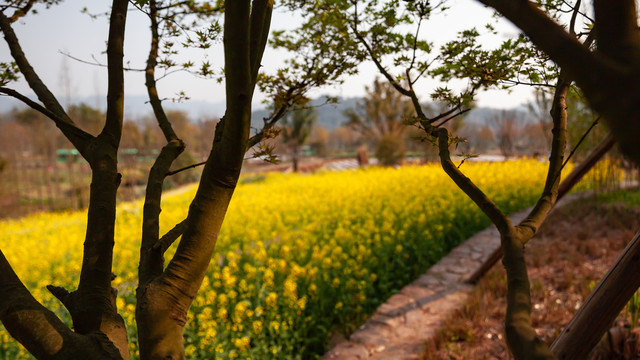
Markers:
<point>64,29</point>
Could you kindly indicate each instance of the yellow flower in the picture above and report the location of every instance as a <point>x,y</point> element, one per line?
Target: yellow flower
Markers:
<point>274,325</point>
<point>257,326</point>
<point>290,288</point>
<point>271,299</point>
<point>281,235</point>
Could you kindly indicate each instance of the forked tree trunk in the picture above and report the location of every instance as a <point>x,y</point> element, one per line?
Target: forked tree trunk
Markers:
<point>164,296</point>
<point>594,156</point>
<point>99,332</point>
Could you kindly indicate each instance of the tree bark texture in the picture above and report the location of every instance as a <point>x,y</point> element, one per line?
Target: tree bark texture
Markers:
<point>609,78</point>
<point>163,301</point>
<point>521,337</point>
<point>99,332</point>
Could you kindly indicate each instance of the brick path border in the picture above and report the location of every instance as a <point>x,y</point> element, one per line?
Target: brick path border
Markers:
<point>400,327</point>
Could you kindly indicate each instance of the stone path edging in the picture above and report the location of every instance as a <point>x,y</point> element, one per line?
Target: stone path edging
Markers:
<point>399,327</point>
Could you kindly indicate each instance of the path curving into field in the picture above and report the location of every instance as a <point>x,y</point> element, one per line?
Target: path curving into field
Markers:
<point>400,327</point>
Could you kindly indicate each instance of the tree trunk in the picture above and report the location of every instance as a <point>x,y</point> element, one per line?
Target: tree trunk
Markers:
<point>164,297</point>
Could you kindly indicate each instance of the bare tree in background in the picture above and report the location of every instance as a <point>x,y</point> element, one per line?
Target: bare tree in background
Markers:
<point>506,131</point>
<point>381,117</point>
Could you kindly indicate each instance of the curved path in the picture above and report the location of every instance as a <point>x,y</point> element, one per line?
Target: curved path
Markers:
<point>400,327</point>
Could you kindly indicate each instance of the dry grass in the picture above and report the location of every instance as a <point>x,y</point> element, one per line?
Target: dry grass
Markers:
<point>573,250</point>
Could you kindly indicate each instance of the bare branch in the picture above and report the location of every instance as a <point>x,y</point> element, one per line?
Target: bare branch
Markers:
<point>572,23</point>
<point>39,330</point>
<point>550,193</point>
<point>518,82</point>
<point>34,81</point>
<point>575,148</point>
<point>268,124</point>
<point>172,235</point>
<point>460,113</point>
<point>260,23</point>
<point>485,204</point>
<point>150,80</point>
<point>115,92</point>
<point>414,50</point>
<point>79,136</point>
<point>40,89</point>
<point>185,168</point>
<point>587,164</point>
<point>95,62</point>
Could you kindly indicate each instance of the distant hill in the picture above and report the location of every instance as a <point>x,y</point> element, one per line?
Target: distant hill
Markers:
<point>136,106</point>
<point>330,116</point>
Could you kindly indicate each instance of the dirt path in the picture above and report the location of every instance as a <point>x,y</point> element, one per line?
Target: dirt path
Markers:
<point>574,248</point>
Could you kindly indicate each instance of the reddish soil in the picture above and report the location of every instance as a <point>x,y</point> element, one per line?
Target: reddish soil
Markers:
<point>574,248</point>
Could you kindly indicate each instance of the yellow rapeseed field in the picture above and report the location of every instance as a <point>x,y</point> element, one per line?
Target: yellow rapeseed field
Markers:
<point>300,257</point>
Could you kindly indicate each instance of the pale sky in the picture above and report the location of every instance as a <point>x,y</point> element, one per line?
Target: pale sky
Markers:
<point>63,28</point>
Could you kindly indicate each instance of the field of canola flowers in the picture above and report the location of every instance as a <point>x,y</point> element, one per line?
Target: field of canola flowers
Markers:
<point>300,257</point>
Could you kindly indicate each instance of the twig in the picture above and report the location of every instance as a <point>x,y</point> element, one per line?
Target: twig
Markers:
<point>185,168</point>
<point>575,148</point>
<point>451,117</point>
<point>95,62</point>
<point>167,239</point>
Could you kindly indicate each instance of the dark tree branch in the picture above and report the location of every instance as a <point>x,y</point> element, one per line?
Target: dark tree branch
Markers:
<point>269,123</point>
<point>161,320</point>
<point>459,113</point>
<point>95,309</point>
<point>575,148</point>
<point>414,50</point>
<point>406,92</point>
<point>587,164</point>
<point>485,204</point>
<point>20,12</point>
<point>260,23</point>
<point>115,91</point>
<point>69,129</point>
<point>518,82</point>
<point>40,89</point>
<point>549,195</point>
<point>170,237</point>
<point>152,262</point>
<point>574,16</point>
<point>173,172</point>
<point>95,62</point>
<point>34,81</point>
<point>39,330</point>
<point>150,80</point>
<point>576,9</point>
<point>562,47</point>
<point>617,32</point>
